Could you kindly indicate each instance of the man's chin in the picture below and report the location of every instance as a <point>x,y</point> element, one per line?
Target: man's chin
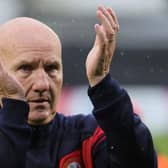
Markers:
<point>40,117</point>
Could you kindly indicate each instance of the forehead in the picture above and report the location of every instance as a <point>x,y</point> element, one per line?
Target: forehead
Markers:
<point>43,54</point>
<point>28,39</point>
<point>32,55</point>
<point>31,50</point>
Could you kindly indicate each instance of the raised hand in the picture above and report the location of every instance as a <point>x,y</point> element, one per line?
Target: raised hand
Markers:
<point>99,58</point>
<point>9,86</point>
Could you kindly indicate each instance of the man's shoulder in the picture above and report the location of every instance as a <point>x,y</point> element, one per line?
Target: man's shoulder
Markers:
<point>80,122</point>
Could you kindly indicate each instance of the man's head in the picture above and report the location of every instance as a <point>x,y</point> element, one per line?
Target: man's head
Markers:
<point>31,51</point>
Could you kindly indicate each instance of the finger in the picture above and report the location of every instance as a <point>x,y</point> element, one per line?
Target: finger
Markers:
<point>1,66</point>
<point>100,34</point>
<point>108,16</point>
<point>114,16</point>
<point>2,70</point>
<point>105,58</point>
<point>101,39</point>
<point>105,23</point>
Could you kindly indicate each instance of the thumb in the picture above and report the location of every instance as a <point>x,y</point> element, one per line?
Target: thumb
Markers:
<point>100,36</point>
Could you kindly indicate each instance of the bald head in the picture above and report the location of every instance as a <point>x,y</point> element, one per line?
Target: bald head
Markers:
<point>31,51</point>
<point>26,32</point>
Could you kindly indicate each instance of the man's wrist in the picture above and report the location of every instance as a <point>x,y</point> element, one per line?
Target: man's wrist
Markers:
<point>96,80</point>
<point>104,92</point>
<point>14,111</point>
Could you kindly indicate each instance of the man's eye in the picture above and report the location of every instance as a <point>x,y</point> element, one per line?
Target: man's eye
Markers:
<point>51,68</point>
<point>25,68</point>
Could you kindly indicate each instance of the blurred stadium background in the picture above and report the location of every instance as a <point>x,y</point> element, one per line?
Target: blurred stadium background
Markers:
<point>141,58</point>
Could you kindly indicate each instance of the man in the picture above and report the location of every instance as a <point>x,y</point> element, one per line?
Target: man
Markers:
<point>33,135</point>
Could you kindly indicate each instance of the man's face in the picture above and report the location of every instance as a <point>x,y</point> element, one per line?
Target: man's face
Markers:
<point>32,53</point>
<point>38,67</point>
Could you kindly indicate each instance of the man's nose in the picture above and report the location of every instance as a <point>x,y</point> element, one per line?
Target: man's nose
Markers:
<point>41,82</point>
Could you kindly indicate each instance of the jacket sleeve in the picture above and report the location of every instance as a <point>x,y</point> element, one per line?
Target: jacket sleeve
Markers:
<point>128,141</point>
<point>14,133</point>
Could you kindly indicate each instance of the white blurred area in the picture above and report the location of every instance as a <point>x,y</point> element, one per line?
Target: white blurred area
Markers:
<point>10,9</point>
<point>143,24</point>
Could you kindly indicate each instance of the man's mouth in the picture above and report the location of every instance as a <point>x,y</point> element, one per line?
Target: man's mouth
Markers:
<point>40,100</point>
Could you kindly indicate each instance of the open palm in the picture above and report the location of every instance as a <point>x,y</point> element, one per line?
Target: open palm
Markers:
<point>99,58</point>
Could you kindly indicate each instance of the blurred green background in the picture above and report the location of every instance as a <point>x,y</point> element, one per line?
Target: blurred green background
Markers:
<point>161,144</point>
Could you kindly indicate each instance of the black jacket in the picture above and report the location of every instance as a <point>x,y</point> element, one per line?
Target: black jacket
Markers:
<point>113,137</point>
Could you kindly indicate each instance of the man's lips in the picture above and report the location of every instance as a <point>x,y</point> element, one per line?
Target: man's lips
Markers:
<point>40,100</point>
<point>39,103</point>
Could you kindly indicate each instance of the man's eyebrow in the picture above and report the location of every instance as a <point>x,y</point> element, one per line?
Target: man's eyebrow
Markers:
<point>22,62</point>
<point>25,61</point>
<point>29,61</point>
<point>52,62</point>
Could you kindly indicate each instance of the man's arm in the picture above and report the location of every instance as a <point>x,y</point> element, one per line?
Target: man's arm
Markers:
<point>14,131</point>
<point>128,140</point>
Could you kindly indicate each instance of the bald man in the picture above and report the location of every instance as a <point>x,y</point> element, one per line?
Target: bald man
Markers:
<point>33,135</point>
